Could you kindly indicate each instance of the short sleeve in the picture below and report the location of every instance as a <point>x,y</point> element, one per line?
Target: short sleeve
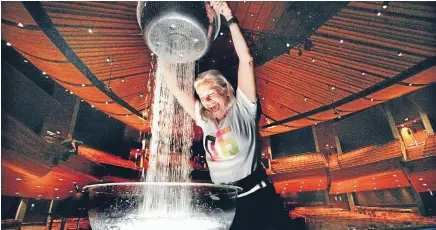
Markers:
<point>198,120</point>
<point>246,103</point>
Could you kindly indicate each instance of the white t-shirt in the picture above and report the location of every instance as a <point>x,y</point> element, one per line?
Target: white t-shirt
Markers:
<point>231,149</point>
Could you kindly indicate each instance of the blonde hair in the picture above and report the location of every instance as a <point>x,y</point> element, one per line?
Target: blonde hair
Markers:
<point>218,79</point>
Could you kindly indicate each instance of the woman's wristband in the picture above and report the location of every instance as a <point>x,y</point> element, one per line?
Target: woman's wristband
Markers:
<point>232,20</point>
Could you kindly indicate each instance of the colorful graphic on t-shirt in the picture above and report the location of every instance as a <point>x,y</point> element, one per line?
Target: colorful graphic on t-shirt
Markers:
<point>227,143</point>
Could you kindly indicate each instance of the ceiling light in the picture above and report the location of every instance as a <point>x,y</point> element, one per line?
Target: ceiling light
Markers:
<point>106,102</point>
<point>375,188</point>
<point>398,185</point>
<point>26,61</point>
<point>71,92</point>
<point>363,73</point>
<point>71,191</point>
<point>221,33</point>
<point>379,13</point>
<point>288,45</point>
<point>38,186</point>
<point>19,179</point>
<point>424,184</point>
<point>420,178</point>
<point>81,100</point>
<point>39,195</point>
<point>313,59</point>
<point>395,175</point>
<point>251,15</point>
<point>372,99</point>
<point>90,30</point>
<point>44,73</point>
<point>354,190</point>
<point>61,179</point>
<point>56,189</point>
<point>373,178</point>
<point>122,79</point>
<point>17,193</point>
<point>305,99</point>
<point>400,54</point>
<point>406,119</point>
<point>341,41</point>
<point>274,19</point>
<point>20,25</point>
<point>127,115</point>
<point>8,44</point>
<point>57,197</point>
<point>108,59</point>
<point>410,84</point>
<point>66,90</point>
<point>385,5</point>
<point>92,106</point>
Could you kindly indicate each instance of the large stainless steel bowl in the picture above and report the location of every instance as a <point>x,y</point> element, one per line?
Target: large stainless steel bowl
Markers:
<point>123,206</point>
<point>178,31</point>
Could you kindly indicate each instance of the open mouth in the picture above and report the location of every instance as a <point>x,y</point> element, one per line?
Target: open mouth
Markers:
<point>214,108</point>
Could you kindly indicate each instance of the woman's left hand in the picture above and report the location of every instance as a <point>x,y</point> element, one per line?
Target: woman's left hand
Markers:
<point>223,8</point>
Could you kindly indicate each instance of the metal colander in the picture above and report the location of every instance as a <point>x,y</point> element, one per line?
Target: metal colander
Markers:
<point>178,31</point>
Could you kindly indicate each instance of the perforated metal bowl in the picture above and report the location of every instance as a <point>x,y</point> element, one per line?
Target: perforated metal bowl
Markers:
<point>178,31</point>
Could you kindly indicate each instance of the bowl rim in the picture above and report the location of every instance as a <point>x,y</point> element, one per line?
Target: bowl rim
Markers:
<point>94,186</point>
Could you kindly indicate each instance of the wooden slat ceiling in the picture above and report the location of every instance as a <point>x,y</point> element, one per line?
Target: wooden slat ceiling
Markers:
<point>356,52</point>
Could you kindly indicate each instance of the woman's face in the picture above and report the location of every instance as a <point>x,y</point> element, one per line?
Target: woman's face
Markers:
<point>213,98</point>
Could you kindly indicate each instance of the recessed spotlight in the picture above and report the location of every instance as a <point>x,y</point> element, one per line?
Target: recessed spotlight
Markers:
<point>56,189</point>
<point>20,25</point>
<point>17,193</point>
<point>90,30</point>
<point>395,175</point>
<point>363,73</point>
<point>333,88</point>
<point>38,186</point>
<point>400,54</point>
<point>424,184</point>
<point>57,197</point>
<point>39,195</point>
<point>379,13</point>
<point>71,191</point>
<point>106,102</point>
<point>83,85</point>
<point>410,84</point>
<point>108,59</point>
<point>122,79</point>
<point>313,59</point>
<point>341,41</point>
<point>8,44</point>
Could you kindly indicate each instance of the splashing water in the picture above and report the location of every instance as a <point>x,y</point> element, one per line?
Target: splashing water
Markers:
<point>170,145</point>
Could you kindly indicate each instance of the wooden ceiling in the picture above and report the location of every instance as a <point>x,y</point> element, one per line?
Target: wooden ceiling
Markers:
<point>354,60</point>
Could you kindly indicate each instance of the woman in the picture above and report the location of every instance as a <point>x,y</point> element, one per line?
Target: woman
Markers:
<point>230,130</point>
